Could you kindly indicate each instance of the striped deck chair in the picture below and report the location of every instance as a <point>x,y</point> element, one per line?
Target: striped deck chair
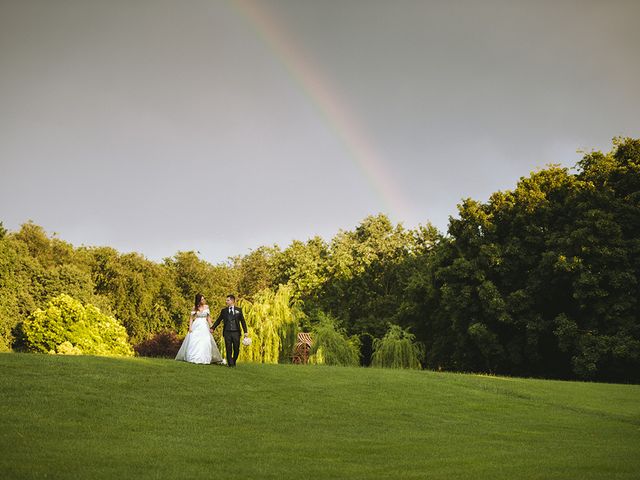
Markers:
<point>302,348</point>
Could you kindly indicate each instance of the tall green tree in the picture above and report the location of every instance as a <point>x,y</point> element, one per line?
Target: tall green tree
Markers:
<point>140,293</point>
<point>303,266</point>
<point>255,271</point>
<point>367,273</point>
<point>33,269</point>
<point>541,280</point>
<point>191,275</point>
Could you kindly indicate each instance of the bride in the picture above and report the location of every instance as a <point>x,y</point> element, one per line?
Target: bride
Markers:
<point>199,346</point>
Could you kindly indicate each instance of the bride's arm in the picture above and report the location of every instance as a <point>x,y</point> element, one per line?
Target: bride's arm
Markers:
<point>191,321</point>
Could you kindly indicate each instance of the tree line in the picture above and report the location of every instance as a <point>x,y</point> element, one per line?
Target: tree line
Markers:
<point>541,280</point>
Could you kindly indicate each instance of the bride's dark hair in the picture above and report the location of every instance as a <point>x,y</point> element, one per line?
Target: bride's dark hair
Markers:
<point>198,298</point>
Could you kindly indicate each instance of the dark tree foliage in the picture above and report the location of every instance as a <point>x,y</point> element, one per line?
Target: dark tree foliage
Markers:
<point>365,273</point>
<point>542,280</point>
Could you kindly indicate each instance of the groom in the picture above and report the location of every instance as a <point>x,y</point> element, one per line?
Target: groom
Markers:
<point>231,318</point>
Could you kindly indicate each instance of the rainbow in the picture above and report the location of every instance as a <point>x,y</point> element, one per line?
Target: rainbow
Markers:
<point>326,100</point>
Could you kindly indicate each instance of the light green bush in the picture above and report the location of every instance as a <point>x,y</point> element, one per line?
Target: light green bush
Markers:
<point>66,348</point>
<point>66,326</point>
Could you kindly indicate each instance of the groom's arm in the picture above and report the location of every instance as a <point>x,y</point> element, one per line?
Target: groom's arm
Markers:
<point>244,324</point>
<point>217,322</point>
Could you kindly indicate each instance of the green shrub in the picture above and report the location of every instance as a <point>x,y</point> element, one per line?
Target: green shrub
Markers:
<point>67,348</point>
<point>331,346</point>
<point>66,326</point>
<point>397,349</point>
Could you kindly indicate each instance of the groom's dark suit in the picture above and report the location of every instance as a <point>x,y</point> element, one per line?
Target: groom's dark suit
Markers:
<point>231,331</point>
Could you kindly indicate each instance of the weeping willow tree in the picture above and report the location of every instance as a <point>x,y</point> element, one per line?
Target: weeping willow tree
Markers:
<point>272,320</point>
<point>397,349</point>
<point>331,346</point>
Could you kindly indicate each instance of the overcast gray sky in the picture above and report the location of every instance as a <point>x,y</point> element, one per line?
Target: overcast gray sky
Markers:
<point>219,126</point>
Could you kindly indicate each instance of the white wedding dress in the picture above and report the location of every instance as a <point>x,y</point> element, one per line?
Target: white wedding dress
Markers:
<point>199,346</point>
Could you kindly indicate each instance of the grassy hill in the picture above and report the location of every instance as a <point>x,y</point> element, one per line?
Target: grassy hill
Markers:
<point>91,417</point>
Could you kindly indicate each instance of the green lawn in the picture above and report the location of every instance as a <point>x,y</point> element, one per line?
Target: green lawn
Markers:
<point>92,417</point>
